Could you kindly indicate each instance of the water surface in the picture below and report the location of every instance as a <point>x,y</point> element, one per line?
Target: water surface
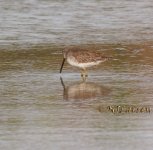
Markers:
<point>75,22</point>
<point>42,109</point>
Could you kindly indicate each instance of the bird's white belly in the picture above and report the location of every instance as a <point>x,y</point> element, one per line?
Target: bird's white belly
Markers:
<point>72,61</point>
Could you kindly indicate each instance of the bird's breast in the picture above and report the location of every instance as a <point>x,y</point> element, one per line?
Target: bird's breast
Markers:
<point>72,61</point>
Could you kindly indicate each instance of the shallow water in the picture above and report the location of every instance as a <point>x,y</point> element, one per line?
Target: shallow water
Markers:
<point>42,109</point>
<point>71,22</point>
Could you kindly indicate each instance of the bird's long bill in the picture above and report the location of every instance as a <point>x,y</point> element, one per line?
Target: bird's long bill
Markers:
<point>62,65</point>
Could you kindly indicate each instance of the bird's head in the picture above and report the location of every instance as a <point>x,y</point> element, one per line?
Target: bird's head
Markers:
<point>65,52</point>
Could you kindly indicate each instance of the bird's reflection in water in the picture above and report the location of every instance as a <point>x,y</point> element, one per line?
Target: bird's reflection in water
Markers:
<point>83,91</point>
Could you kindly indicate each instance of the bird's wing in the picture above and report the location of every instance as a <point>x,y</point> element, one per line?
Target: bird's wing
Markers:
<point>88,56</point>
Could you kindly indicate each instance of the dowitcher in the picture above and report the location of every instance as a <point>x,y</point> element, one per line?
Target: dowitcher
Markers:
<point>82,59</point>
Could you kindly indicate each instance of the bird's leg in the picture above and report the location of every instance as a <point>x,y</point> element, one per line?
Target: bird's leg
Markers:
<point>83,78</point>
<point>84,74</point>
